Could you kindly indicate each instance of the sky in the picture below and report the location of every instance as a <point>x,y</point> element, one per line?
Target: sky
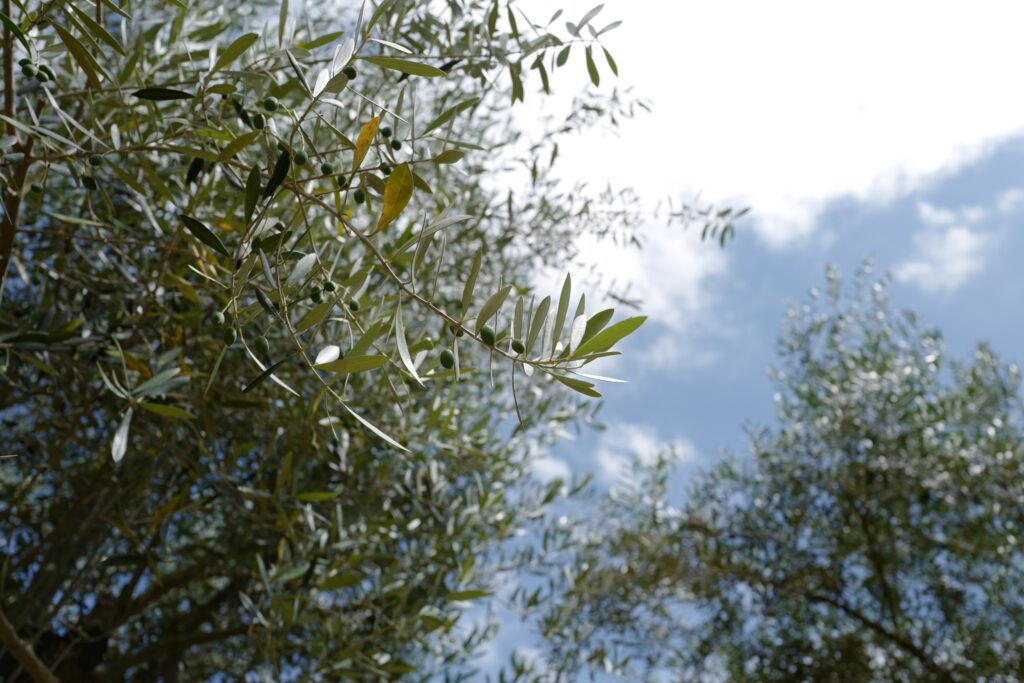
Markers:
<point>872,129</point>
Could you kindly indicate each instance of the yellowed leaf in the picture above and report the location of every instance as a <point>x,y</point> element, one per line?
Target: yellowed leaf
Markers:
<point>364,141</point>
<point>397,192</point>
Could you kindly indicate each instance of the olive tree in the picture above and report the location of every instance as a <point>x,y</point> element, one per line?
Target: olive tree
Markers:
<point>272,359</point>
<point>872,535</point>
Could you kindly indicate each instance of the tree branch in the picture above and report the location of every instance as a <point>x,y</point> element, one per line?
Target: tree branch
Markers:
<point>24,653</point>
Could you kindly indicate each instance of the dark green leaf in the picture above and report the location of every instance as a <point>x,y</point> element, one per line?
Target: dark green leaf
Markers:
<point>161,94</point>
<point>204,235</point>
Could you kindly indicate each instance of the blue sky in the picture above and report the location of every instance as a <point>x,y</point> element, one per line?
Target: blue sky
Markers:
<point>881,129</point>
<point>889,130</point>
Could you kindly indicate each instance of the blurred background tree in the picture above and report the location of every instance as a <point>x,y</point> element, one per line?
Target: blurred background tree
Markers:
<point>272,364</point>
<point>874,534</point>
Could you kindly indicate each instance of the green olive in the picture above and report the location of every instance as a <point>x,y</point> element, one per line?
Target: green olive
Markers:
<point>300,158</point>
<point>229,336</point>
<point>270,104</point>
<point>329,286</point>
<point>396,144</point>
<point>447,359</point>
<point>24,61</point>
<point>327,168</point>
<point>386,131</point>
<point>350,72</point>
<point>353,305</point>
<point>258,122</point>
<point>29,70</point>
<point>518,346</point>
<point>341,180</point>
<point>359,196</point>
<point>45,68</point>
<point>262,345</point>
<point>218,318</point>
<point>385,169</point>
<point>487,335</point>
<point>36,188</point>
<point>95,160</point>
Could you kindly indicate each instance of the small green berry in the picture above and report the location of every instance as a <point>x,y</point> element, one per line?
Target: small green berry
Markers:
<point>36,188</point>
<point>270,104</point>
<point>218,318</point>
<point>353,305</point>
<point>518,346</point>
<point>258,122</point>
<point>329,286</point>
<point>45,68</point>
<point>42,77</point>
<point>385,169</point>
<point>262,345</point>
<point>386,131</point>
<point>396,144</point>
<point>487,335</point>
<point>229,336</point>
<point>95,160</point>
<point>300,158</point>
<point>327,168</point>
<point>341,180</point>
<point>24,61</point>
<point>316,296</point>
<point>29,70</point>
<point>447,359</point>
<point>359,196</point>
<point>457,331</point>
<point>350,72</point>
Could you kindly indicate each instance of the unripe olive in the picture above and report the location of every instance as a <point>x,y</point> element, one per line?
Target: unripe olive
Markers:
<point>341,180</point>
<point>518,346</point>
<point>396,144</point>
<point>386,131</point>
<point>359,196</point>
<point>327,168</point>
<point>95,160</point>
<point>353,305</point>
<point>447,359</point>
<point>36,188</point>
<point>45,68</point>
<point>329,286</point>
<point>487,335</point>
<point>385,169</point>
<point>218,318</point>
<point>457,331</point>
<point>316,296</point>
<point>270,104</point>
<point>229,336</point>
<point>300,158</point>
<point>42,77</point>
<point>262,345</point>
<point>29,70</point>
<point>258,122</point>
<point>24,61</point>
<point>350,72</point>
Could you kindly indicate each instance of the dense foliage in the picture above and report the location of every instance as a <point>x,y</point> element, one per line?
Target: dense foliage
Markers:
<point>873,535</point>
<point>271,359</point>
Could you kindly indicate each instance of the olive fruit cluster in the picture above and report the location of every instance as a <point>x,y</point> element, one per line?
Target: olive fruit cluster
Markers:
<point>41,72</point>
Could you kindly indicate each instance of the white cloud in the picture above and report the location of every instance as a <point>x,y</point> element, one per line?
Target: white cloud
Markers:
<point>789,105</point>
<point>944,259</point>
<point>669,275</point>
<point>624,442</point>
<point>547,468</point>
